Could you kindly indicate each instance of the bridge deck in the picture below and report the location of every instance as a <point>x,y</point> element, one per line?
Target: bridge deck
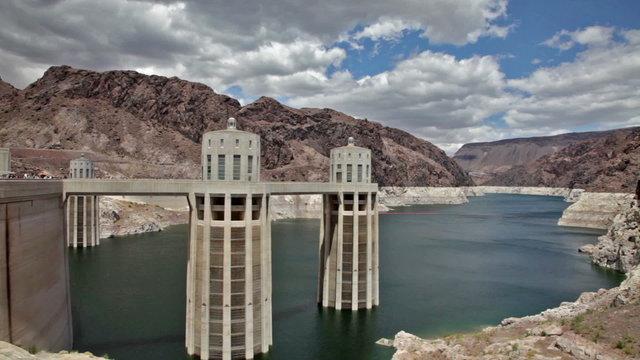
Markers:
<point>184,187</point>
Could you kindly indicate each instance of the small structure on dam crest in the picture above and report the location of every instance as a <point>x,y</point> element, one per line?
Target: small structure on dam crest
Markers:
<point>82,212</point>
<point>5,162</point>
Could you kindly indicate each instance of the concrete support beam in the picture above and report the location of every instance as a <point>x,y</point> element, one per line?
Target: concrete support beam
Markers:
<point>230,256</point>
<point>348,251</point>
<point>82,221</point>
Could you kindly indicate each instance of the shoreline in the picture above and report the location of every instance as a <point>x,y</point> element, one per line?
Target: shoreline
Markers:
<point>591,210</point>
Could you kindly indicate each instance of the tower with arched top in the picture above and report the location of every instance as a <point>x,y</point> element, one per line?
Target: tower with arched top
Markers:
<point>231,155</point>
<point>349,244</point>
<point>229,281</point>
<point>83,212</point>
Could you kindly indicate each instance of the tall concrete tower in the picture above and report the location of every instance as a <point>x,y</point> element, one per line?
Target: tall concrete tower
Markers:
<point>83,212</point>
<point>229,269</point>
<point>349,235</point>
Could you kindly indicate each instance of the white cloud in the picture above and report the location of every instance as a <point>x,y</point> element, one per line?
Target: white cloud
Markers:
<point>592,36</point>
<point>386,29</point>
<point>601,87</point>
<point>430,89</point>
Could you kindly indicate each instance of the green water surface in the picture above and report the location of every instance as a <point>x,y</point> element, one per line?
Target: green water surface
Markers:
<point>443,268</point>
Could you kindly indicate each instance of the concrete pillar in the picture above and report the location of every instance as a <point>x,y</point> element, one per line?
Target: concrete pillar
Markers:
<point>82,221</point>
<point>348,251</point>
<point>229,272</point>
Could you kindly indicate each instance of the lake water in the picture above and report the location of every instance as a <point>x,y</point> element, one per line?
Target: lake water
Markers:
<point>443,269</point>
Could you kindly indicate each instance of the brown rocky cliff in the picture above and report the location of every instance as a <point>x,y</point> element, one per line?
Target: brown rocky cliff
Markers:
<point>609,164</point>
<point>150,126</point>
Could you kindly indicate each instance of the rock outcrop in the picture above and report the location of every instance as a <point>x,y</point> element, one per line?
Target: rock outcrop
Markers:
<point>608,164</point>
<point>619,249</point>
<point>12,352</point>
<point>570,195</point>
<point>487,159</point>
<point>295,206</point>
<point>595,210</point>
<point>120,217</point>
<point>134,125</point>
<point>402,196</point>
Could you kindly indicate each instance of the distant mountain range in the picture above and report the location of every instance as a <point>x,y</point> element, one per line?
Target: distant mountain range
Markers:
<point>609,164</point>
<point>485,160</point>
<point>142,126</point>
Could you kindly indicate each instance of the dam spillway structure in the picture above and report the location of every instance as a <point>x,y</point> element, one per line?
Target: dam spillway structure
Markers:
<point>229,268</point>
<point>82,212</point>
<point>348,265</point>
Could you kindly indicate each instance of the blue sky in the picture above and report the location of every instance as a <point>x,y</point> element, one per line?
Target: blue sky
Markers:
<point>448,71</point>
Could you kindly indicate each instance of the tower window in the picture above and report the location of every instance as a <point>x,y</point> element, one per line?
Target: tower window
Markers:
<point>221,143</point>
<point>349,172</point>
<point>236,167</point>
<point>359,172</point>
<point>220,167</point>
<point>208,166</point>
<point>237,142</point>
<point>250,142</point>
<point>250,163</point>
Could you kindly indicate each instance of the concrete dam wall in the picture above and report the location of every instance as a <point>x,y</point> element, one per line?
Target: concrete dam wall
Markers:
<point>34,281</point>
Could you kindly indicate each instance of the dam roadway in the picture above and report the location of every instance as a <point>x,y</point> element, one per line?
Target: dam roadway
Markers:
<point>35,304</point>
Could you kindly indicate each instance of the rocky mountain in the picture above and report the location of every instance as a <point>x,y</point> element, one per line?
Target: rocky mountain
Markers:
<point>608,164</point>
<point>136,125</point>
<point>485,160</point>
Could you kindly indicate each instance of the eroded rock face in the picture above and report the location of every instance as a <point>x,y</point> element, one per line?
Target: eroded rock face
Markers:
<point>401,196</point>
<point>619,249</point>
<point>595,210</point>
<point>134,125</point>
<point>120,217</point>
<point>487,159</point>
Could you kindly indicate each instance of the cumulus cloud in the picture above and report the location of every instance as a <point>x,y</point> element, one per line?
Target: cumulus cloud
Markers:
<point>386,29</point>
<point>602,85</point>
<point>592,36</point>
<point>430,89</point>
<point>198,35</point>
